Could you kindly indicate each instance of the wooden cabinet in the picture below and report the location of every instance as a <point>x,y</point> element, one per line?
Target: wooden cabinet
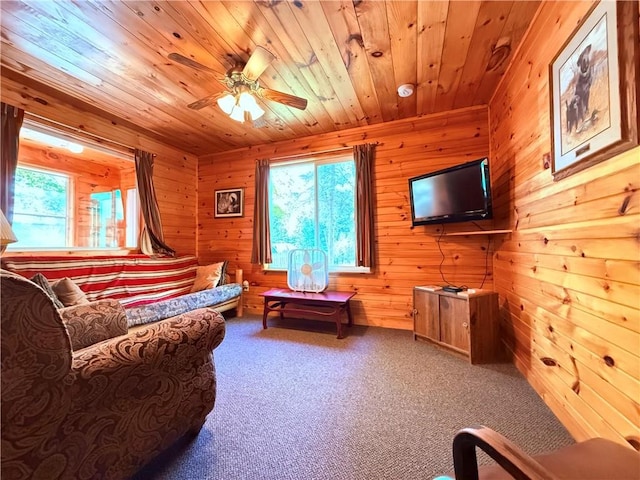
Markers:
<point>468,324</point>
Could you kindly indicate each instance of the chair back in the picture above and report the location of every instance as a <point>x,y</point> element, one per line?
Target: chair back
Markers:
<point>36,372</point>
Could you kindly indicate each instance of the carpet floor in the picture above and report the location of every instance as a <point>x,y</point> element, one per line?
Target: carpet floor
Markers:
<point>294,402</point>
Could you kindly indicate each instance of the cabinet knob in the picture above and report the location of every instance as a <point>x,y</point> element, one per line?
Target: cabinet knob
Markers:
<point>465,324</point>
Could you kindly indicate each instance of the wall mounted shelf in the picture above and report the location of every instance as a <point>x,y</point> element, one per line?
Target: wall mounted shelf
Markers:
<point>478,232</point>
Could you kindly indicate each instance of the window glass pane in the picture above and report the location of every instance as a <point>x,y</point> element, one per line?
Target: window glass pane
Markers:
<point>291,210</point>
<point>37,231</point>
<point>41,193</point>
<point>133,216</point>
<point>41,206</point>
<point>336,212</point>
<point>312,205</point>
<point>107,220</point>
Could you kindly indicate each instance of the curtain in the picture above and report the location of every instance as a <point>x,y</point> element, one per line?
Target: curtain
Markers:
<point>261,251</point>
<point>363,156</point>
<point>151,237</point>
<point>12,118</point>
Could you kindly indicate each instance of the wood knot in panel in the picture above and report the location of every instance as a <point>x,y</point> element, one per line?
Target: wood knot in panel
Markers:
<point>549,362</point>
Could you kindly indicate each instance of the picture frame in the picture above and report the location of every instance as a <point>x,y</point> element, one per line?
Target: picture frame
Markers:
<point>594,90</point>
<point>229,203</point>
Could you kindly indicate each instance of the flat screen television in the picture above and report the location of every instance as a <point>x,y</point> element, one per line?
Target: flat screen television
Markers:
<point>455,194</point>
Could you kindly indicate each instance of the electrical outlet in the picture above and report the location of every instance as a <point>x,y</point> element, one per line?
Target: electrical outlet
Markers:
<point>245,286</point>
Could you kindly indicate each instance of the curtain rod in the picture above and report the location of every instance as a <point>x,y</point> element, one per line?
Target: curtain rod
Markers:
<point>319,152</point>
<point>310,154</point>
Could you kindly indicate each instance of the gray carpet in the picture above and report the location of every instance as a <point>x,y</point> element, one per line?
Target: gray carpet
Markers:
<point>301,404</point>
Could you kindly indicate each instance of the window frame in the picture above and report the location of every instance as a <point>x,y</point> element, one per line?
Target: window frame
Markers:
<point>69,218</point>
<point>342,157</point>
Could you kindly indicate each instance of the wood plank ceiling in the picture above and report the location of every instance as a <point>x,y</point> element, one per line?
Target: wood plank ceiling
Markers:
<point>346,57</point>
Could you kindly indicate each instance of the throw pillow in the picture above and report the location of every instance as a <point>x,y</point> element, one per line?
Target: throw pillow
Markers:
<point>207,277</point>
<point>40,280</point>
<point>69,293</point>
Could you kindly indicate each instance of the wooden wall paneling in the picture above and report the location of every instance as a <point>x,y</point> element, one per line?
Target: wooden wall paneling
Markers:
<point>547,380</point>
<point>620,368</point>
<point>573,369</point>
<point>620,405</point>
<point>568,378</point>
<point>612,312</point>
<point>530,261</point>
<point>406,256</point>
<point>568,274</point>
<point>179,223</point>
<point>41,100</point>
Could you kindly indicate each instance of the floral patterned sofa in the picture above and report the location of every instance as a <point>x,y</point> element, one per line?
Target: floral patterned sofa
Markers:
<point>74,408</point>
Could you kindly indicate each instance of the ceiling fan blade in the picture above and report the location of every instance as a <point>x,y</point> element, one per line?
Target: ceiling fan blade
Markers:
<point>258,63</point>
<point>204,102</point>
<point>181,59</point>
<point>284,98</point>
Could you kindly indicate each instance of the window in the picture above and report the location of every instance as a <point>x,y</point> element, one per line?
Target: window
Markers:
<point>107,219</point>
<point>41,212</point>
<point>133,218</point>
<point>70,195</point>
<point>312,205</point>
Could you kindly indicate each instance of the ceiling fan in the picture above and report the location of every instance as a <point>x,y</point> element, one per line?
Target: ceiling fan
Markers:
<point>242,82</point>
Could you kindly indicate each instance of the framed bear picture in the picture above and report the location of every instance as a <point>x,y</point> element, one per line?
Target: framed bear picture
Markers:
<point>593,82</point>
<point>229,203</point>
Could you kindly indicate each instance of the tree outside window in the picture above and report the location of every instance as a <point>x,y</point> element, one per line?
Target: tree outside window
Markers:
<point>41,209</point>
<point>312,205</point>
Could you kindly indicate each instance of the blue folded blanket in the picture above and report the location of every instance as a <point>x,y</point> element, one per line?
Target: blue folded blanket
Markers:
<point>185,303</point>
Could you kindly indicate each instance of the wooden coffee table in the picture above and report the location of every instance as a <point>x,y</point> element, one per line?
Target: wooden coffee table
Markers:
<point>326,304</point>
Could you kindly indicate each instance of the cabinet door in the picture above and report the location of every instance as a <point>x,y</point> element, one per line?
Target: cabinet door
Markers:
<point>454,322</point>
<point>425,314</point>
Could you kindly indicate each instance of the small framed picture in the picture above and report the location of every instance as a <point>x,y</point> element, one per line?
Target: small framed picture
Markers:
<point>229,203</point>
<point>594,88</point>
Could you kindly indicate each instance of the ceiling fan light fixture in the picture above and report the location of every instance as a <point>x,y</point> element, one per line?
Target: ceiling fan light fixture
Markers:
<point>237,114</point>
<point>227,103</point>
<point>255,111</point>
<point>246,101</point>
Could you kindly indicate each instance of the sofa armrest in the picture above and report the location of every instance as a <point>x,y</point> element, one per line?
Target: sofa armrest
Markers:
<point>157,383</point>
<point>94,322</point>
<point>199,331</point>
<point>148,357</point>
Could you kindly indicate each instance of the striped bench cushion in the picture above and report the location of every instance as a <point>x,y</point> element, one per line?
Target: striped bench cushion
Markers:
<point>132,279</point>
